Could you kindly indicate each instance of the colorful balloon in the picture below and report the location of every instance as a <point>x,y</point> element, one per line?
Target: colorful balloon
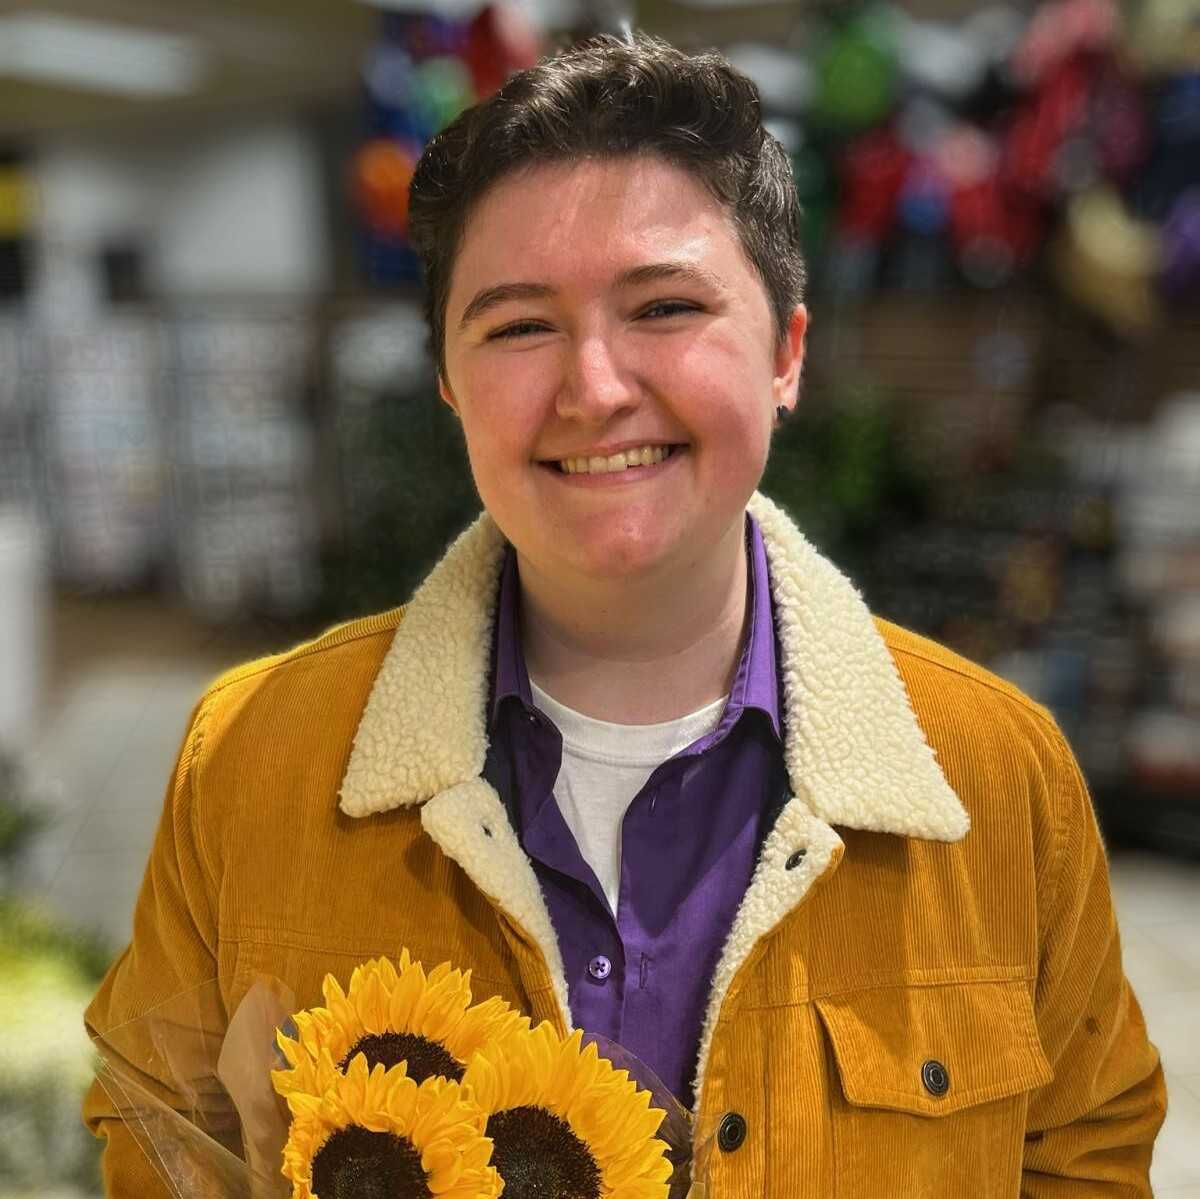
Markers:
<point>500,40</point>
<point>381,173</point>
<point>856,73</point>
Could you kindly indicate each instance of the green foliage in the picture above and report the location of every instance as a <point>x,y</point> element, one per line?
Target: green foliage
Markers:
<point>839,468</point>
<point>46,1061</point>
<point>407,493</point>
<point>47,974</point>
<point>20,821</point>
<point>27,932</point>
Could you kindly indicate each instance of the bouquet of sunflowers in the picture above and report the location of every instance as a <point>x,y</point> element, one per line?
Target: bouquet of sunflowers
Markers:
<point>398,1086</point>
<point>402,1087</point>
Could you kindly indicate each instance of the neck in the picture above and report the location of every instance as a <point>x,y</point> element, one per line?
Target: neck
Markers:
<point>632,651</point>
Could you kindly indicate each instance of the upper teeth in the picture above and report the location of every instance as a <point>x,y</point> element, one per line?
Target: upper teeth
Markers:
<point>643,456</point>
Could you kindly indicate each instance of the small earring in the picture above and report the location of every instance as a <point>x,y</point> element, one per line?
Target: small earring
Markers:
<point>782,413</point>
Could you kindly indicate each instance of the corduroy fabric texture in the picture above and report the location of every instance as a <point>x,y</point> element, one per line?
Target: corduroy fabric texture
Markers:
<point>993,954</point>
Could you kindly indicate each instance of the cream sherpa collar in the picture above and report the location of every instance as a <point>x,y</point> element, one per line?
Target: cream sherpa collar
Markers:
<point>854,751</point>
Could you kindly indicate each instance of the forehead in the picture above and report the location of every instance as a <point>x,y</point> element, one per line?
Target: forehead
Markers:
<point>592,219</point>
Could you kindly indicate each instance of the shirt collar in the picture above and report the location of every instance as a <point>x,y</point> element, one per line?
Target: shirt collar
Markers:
<point>511,678</point>
<point>755,684</point>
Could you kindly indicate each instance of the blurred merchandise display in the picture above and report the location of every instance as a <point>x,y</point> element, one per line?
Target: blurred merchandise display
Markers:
<point>243,520</point>
<point>1131,609</point>
<point>1159,517</point>
<point>100,392</point>
<point>931,155</point>
<point>422,72</point>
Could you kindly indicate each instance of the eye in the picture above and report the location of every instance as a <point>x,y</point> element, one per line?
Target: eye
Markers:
<point>662,308</point>
<point>515,330</point>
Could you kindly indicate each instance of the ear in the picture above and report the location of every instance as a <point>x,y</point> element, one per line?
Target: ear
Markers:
<point>447,395</point>
<point>789,358</point>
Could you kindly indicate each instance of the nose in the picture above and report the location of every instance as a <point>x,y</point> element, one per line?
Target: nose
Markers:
<point>597,383</point>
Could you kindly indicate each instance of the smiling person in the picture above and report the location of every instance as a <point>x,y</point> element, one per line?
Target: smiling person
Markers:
<point>635,752</point>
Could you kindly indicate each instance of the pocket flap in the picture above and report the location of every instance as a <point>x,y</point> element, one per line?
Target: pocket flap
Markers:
<point>898,1047</point>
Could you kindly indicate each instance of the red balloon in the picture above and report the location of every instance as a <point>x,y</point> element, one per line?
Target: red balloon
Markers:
<point>873,169</point>
<point>500,41</point>
<point>1045,120</point>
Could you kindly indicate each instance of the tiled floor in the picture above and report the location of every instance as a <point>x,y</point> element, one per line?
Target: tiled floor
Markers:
<point>1158,903</point>
<point>123,678</point>
<point>114,726</point>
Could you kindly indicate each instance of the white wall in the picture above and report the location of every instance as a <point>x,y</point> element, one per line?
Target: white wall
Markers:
<point>242,214</point>
<point>234,212</point>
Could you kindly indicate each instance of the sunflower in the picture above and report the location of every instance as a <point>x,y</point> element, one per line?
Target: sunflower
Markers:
<point>564,1122</point>
<point>378,1134</point>
<point>394,1014</point>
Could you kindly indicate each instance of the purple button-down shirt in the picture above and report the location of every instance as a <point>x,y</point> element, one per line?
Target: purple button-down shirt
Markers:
<point>689,842</point>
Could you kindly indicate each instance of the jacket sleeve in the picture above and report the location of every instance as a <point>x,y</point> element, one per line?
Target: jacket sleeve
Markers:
<point>173,951</point>
<point>1091,1130</point>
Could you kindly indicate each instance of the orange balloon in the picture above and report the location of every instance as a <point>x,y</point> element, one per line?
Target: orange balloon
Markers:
<point>381,174</point>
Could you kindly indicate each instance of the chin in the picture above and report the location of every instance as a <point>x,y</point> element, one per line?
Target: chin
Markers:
<point>620,558</point>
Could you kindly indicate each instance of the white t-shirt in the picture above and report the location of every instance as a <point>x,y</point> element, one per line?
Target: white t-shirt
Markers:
<point>604,765</point>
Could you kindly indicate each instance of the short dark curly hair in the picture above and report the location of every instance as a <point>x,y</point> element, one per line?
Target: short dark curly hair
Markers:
<point>610,97</point>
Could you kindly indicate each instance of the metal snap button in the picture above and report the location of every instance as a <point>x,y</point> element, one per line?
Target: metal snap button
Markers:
<point>795,859</point>
<point>935,1077</point>
<point>732,1132</point>
<point>600,967</point>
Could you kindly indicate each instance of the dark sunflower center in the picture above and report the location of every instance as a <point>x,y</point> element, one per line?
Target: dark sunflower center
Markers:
<point>356,1163</point>
<point>425,1058</point>
<point>539,1157</point>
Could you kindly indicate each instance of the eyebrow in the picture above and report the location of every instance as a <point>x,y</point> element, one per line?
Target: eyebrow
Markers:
<point>487,299</point>
<point>652,272</point>
<point>684,272</point>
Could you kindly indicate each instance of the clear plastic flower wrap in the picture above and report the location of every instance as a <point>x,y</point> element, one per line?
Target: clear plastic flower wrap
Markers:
<point>194,1090</point>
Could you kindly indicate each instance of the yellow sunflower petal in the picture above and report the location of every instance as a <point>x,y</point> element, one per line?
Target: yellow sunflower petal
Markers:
<point>486,1085</point>
<point>408,989</point>
<point>331,989</point>
<point>387,973</point>
<point>293,1051</point>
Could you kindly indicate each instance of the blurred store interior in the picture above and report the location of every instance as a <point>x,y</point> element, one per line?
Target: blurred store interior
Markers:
<point>219,432</point>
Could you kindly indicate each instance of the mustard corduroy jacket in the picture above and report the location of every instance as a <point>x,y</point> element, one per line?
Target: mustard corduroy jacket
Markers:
<point>922,992</point>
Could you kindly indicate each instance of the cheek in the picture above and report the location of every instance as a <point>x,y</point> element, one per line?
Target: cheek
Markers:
<point>727,385</point>
<point>500,447</point>
<point>505,410</point>
<point>735,423</point>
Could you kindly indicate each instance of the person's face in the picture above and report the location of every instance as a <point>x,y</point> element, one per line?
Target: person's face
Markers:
<point>602,307</point>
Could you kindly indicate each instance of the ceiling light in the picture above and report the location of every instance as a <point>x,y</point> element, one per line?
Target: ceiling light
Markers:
<point>96,56</point>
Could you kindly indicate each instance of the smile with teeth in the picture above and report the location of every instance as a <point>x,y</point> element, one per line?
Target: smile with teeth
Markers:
<point>646,455</point>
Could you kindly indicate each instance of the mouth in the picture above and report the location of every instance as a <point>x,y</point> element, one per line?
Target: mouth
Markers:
<point>633,459</point>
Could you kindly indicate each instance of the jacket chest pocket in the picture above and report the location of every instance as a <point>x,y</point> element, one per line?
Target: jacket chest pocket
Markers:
<point>929,1088</point>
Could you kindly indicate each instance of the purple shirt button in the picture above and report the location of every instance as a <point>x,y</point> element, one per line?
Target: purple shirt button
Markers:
<point>599,967</point>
